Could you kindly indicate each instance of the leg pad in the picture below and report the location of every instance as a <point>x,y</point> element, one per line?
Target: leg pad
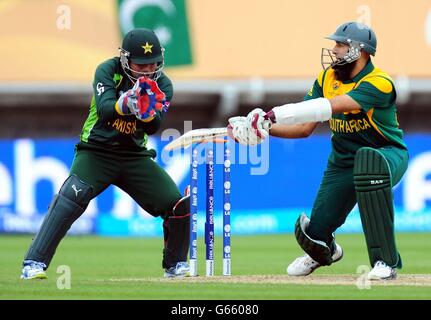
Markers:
<point>316,249</point>
<point>372,178</point>
<point>176,230</point>
<point>65,208</point>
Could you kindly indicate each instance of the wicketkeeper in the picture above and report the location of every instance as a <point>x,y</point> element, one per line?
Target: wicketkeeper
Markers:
<point>131,96</point>
<point>368,154</point>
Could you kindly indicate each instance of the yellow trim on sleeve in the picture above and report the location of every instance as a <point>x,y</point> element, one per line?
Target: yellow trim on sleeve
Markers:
<point>370,118</point>
<point>117,108</point>
<point>147,120</point>
<point>380,78</point>
<point>381,83</point>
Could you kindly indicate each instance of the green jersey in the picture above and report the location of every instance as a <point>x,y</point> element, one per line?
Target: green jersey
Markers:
<point>373,125</point>
<point>106,128</point>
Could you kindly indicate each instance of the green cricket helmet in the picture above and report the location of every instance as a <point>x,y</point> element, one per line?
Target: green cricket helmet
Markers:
<point>141,46</point>
<point>359,37</point>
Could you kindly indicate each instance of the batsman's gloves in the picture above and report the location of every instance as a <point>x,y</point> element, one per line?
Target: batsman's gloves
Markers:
<point>239,131</point>
<point>143,100</point>
<point>258,123</point>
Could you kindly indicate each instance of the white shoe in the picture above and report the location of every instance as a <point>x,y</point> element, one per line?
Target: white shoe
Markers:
<point>33,270</point>
<point>382,271</point>
<point>179,270</point>
<point>305,265</point>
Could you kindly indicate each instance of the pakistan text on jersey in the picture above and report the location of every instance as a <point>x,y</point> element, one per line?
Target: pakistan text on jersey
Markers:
<point>349,126</point>
<point>127,127</point>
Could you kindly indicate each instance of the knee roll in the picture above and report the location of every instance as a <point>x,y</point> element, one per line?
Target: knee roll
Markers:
<point>77,191</point>
<point>182,207</point>
<point>371,171</point>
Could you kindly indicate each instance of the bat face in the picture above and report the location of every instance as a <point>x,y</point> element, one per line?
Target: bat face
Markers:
<point>197,136</point>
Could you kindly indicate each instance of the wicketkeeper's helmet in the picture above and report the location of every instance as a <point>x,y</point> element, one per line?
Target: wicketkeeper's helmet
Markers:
<point>141,46</point>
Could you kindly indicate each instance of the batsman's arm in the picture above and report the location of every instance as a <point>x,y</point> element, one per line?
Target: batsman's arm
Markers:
<point>303,130</point>
<point>298,120</point>
<point>343,103</point>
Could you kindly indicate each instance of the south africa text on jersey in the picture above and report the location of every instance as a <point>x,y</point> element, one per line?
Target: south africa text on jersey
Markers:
<point>349,126</point>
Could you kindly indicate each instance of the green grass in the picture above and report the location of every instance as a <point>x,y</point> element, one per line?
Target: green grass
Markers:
<point>130,268</point>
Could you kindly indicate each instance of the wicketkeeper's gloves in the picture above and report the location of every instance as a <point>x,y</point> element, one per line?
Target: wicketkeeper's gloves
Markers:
<point>143,100</point>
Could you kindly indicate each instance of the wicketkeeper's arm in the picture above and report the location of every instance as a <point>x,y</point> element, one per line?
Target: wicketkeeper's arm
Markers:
<point>154,125</point>
<point>104,92</point>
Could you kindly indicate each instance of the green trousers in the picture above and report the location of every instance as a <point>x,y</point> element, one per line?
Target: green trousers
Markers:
<point>135,173</point>
<point>336,196</point>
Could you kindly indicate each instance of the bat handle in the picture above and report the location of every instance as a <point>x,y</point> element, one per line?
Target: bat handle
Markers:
<point>267,124</point>
<point>270,117</point>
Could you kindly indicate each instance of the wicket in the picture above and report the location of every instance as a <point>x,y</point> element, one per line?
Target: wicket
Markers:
<point>209,222</point>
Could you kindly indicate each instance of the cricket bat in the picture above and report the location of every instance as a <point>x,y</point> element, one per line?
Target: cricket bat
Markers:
<point>197,136</point>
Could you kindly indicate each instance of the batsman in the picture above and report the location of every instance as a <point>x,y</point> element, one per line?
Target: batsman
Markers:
<point>367,159</point>
<point>131,95</point>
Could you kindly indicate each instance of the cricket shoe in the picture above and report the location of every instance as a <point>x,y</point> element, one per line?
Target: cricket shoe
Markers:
<point>179,270</point>
<point>382,271</point>
<point>305,265</point>
<point>33,270</point>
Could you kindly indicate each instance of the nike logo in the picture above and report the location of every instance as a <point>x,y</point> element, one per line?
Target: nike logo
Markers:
<point>76,190</point>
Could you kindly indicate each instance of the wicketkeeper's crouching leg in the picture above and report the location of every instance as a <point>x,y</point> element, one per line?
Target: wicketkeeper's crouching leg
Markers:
<point>65,208</point>
<point>176,230</point>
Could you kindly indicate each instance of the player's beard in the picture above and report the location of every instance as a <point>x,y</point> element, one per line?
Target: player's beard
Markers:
<point>344,72</point>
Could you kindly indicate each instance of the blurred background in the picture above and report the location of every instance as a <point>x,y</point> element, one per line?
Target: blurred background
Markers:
<point>225,58</point>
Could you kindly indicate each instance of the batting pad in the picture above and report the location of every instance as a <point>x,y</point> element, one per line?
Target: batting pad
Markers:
<point>372,179</point>
<point>316,249</point>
